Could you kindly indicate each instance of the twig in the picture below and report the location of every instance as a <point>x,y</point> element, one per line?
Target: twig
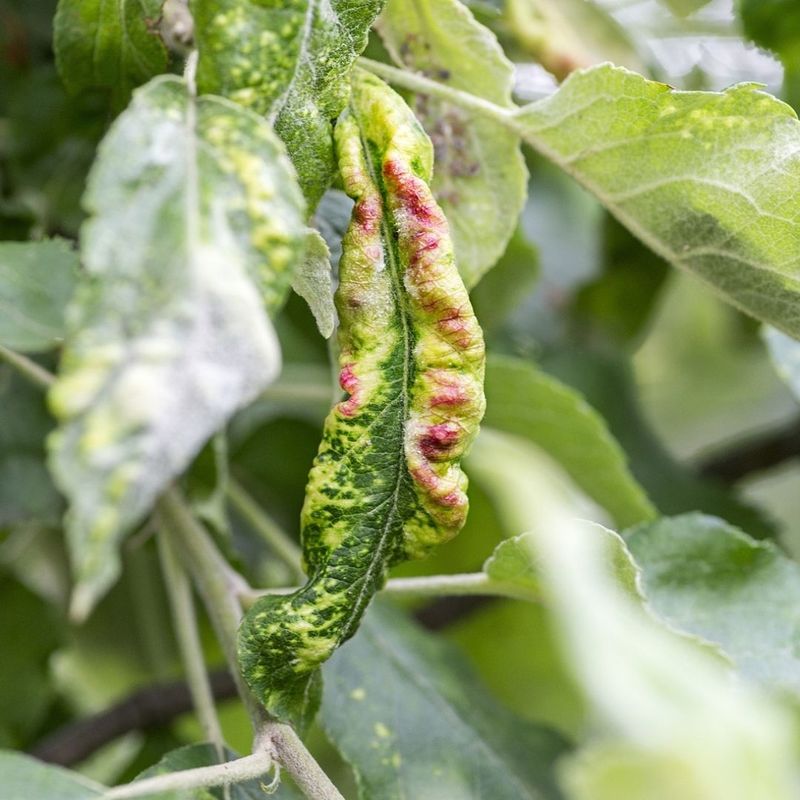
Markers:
<point>215,582</point>
<point>237,771</point>
<point>145,709</point>
<point>753,454</point>
<point>263,524</point>
<point>184,617</point>
<point>27,367</point>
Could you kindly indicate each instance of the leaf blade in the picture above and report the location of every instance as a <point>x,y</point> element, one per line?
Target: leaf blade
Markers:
<point>169,335</point>
<point>386,484</point>
<point>704,179</point>
<point>303,53</point>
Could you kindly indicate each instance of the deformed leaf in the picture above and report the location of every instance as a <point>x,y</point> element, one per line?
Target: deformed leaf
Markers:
<point>386,484</point>
<point>36,282</point>
<point>480,178</point>
<point>289,60</point>
<point>314,283</point>
<point>411,718</point>
<point>111,45</point>
<point>524,401</point>
<point>707,180</point>
<point>168,336</point>
<point>709,579</point>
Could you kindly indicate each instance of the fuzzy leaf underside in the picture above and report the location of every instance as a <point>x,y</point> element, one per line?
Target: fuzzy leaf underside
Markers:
<point>708,180</point>
<point>289,60</point>
<point>386,484</point>
<point>480,179</point>
<point>168,335</point>
<point>113,45</point>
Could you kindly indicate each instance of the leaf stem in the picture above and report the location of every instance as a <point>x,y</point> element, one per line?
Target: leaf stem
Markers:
<point>220,588</point>
<point>216,582</point>
<point>241,769</point>
<point>265,525</point>
<point>27,367</point>
<point>422,85</point>
<point>184,617</point>
<point>463,584</point>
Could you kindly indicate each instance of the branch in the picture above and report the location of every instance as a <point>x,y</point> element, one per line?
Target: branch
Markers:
<point>145,709</point>
<point>184,618</point>
<point>27,367</point>
<point>753,454</point>
<point>237,771</point>
<point>422,85</point>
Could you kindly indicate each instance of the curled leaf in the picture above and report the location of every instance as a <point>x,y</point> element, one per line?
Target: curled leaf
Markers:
<point>386,484</point>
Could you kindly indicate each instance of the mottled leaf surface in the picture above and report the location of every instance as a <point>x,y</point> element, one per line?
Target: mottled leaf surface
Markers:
<point>412,719</point>
<point>313,281</point>
<point>480,178</point>
<point>386,484</point>
<point>113,45</point>
<point>168,336</point>
<point>525,401</point>
<point>707,180</point>
<point>708,578</point>
<point>36,282</point>
<point>289,60</point>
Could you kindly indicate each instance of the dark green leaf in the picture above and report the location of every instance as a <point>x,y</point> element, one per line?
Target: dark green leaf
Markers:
<point>111,45</point>
<point>290,61</point>
<point>413,721</point>
<point>168,336</point>
<point>36,281</point>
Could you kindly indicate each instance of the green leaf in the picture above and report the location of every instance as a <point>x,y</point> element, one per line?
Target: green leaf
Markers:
<point>111,45</point>
<point>506,286</point>
<point>168,336</point>
<point>513,564</point>
<point>522,400</point>
<point>657,698</point>
<point>290,61</point>
<point>36,282</point>
<point>27,493</point>
<point>386,485</point>
<point>410,717</point>
<point>706,180</point>
<point>205,755</point>
<point>313,281</point>
<point>25,778</point>
<point>708,578</point>
<point>480,178</point>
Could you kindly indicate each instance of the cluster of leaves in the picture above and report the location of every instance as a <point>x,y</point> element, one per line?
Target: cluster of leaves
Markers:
<point>172,225</point>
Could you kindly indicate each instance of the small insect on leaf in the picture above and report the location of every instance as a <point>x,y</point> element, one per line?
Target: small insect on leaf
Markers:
<point>386,485</point>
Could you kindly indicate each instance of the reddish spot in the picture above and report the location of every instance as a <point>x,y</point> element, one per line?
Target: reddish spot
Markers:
<point>425,477</point>
<point>438,440</point>
<point>453,499</point>
<point>411,191</point>
<point>348,408</point>
<point>347,379</point>
<point>366,211</point>
<point>449,396</point>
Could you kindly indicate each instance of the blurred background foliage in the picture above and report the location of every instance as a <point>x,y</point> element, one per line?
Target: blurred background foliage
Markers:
<point>683,381</point>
